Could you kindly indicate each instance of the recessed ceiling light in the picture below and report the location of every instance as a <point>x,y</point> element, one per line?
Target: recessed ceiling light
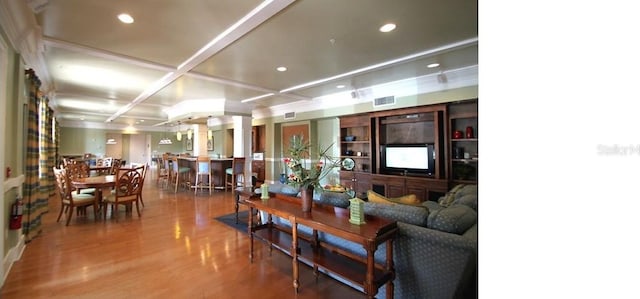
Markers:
<point>340,86</point>
<point>125,18</point>
<point>432,65</point>
<point>387,27</point>
<point>281,69</point>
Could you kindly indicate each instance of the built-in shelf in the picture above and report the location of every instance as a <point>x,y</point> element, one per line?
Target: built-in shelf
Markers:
<point>465,160</point>
<point>463,117</point>
<point>356,142</point>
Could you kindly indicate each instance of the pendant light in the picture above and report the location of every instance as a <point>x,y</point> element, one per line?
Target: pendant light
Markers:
<point>164,139</point>
<point>189,133</point>
<point>209,131</point>
<point>111,140</point>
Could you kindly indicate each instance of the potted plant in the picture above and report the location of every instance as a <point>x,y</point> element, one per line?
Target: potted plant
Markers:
<point>307,177</point>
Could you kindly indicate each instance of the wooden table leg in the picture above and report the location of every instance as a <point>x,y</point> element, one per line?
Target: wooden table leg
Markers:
<point>294,252</point>
<point>316,246</point>
<point>237,197</point>
<point>249,230</point>
<point>390,268</point>
<point>369,288</point>
<point>270,226</point>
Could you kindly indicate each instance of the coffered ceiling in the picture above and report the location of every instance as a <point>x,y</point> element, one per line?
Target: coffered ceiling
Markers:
<point>191,60</point>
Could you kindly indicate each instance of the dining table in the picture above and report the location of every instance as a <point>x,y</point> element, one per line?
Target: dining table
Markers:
<point>97,182</point>
<point>100,170</point>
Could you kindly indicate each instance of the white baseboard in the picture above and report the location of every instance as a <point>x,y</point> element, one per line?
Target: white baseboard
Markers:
<point>14,254</point>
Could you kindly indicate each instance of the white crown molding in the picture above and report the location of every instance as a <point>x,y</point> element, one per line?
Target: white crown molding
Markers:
<point>25,36</point>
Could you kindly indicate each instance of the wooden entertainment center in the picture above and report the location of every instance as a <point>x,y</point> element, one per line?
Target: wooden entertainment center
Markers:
<point>447,132</point>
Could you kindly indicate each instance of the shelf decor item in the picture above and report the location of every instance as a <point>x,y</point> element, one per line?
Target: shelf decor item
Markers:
<point>303,176</point>
<point>469,132</point>
<point>348,164</point>
<point>264,191</point>
<point>356,211</point>
<point>457,134</point>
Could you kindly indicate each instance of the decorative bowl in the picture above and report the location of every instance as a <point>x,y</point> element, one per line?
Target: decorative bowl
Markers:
<point>349,138</point>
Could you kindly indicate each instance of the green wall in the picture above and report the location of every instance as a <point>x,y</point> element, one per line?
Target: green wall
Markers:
<point>77,141</point>
<point>13,147</point>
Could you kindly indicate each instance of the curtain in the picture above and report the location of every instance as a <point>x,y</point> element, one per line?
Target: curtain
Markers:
<point>56,141</point>
<point>47,148</point>
<point>35,198</point>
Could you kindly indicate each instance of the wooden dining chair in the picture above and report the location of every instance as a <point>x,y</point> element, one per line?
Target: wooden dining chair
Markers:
<point>107,161</point>
<point>71,200</point>
<point>145,169</point>
<point>163,171</point>
<point>203,169</point>
<point>178,172</point>
<point>115,164</point>
<point>232,174</point>
<point>129,182</point>
<point>79,170</point>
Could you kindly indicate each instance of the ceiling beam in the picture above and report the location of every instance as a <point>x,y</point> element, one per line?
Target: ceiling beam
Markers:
<point>252,20</point>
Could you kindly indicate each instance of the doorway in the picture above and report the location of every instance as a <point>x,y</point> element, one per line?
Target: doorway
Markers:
<point>138,149</point>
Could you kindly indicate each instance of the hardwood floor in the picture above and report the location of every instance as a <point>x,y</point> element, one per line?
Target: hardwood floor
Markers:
<point>175,250</point>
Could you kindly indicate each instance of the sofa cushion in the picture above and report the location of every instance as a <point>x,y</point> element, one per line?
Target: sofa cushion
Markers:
<point>454,219</point>
<point>416,215</point>
<point>280,188</point>
<point>432,206</point>
<point>409,199</point>
<point>336,199</point>
<point>470,200</point>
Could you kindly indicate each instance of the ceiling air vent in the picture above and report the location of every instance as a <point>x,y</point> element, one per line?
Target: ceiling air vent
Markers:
<point>390,100</point>
<point>290,115</point>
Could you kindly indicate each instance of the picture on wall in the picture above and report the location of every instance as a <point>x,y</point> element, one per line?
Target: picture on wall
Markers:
<point>189,144</point>
<point>210,144</point>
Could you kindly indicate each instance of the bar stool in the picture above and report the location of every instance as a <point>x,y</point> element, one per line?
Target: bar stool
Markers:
<point>164,171</point>
<point>232,174</point>
<point>203,166</point>
<point>178,172</point>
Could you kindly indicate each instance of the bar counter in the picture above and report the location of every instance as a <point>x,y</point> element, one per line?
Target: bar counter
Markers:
<point>218,167</point>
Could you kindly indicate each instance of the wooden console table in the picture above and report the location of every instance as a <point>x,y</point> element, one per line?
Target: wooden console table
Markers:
<point>364,272</point>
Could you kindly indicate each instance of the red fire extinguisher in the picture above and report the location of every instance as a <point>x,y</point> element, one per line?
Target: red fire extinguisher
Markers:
<point>15,221</point>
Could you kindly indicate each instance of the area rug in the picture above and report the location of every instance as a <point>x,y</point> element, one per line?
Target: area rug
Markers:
<point>230,220</point>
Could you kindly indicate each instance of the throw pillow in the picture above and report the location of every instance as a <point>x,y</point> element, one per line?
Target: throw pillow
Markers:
<point>454,219</point>
<point>409,199</point>
<point>416,215</point>
<point>448,198</point>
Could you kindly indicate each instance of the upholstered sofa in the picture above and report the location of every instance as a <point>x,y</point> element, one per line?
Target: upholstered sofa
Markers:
<point>435,254</point>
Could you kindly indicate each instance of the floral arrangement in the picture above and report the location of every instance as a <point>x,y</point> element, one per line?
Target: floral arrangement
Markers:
<point>302,177</point>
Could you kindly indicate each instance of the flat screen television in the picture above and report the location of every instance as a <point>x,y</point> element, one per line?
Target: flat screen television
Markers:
<point>416,159</point>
